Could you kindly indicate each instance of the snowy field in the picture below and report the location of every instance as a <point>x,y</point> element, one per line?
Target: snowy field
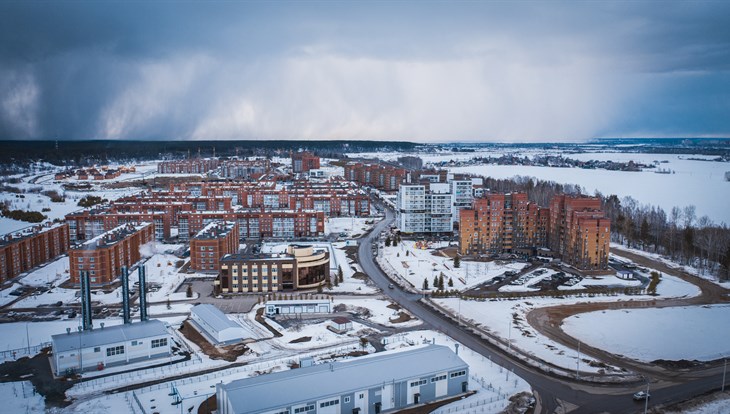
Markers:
<point>422,264</point>
<point>691,333</point>
<point>379,311</point>
<point>20,397</point>
<point>351,226</point>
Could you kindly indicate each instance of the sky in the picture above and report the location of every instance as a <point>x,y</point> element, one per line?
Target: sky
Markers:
<point>430,71</point>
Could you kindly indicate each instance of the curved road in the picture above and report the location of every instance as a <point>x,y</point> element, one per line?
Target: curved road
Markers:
<point>553,394</point>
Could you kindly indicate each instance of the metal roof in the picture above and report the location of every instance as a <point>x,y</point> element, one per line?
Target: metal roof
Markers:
<point>301,385</point>
<point>107,335</point>
<point>214,317</point>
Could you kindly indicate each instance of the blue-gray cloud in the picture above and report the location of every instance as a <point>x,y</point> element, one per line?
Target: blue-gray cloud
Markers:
<point>434,71</point>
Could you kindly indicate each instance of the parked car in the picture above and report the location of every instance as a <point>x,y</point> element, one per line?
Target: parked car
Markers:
<point>390,286</point>
<point>641,396</point>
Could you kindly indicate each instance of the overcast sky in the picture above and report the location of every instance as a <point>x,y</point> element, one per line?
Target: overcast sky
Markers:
<point>418,71</point>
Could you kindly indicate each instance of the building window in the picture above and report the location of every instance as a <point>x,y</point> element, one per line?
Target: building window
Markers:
<point>361,396</point>
<point>304,409</point>
<point>417,383</point>
<point>329,403</point>
<point>115,350</point>
<point>157,343</point>
<point>134,343</point>
<point>458,374</point>
<point>81,259</point>
<point>439,378</point>
<point>97,349</point>
<point>347,400</point>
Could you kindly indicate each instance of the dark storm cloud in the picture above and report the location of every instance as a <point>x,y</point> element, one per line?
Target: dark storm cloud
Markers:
<point>385,70</point>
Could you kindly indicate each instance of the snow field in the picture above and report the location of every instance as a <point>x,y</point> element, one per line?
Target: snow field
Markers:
<point>691,333</point>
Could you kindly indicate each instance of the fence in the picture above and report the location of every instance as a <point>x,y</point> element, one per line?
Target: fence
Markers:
<point>13,354</point>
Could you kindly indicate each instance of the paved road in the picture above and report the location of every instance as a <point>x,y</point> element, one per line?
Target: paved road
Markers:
<point>553,394</point>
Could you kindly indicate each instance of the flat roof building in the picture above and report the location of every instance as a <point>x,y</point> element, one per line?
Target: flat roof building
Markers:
<point>217,239</point>
<point>367,385</point>
<point>23,250</point>
<point>216,327</point>
<point>108,346</point>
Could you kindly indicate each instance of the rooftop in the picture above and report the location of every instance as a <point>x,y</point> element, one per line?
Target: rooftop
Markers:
<point>264,392</point>
<point>214,317</point>
<point>215,230</point>
<point>107,335</point>
<point>16,236</point>
<point>113,236</point>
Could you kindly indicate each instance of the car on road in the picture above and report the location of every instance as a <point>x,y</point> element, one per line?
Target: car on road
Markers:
<point>641,396</point>
<point>391,286</point>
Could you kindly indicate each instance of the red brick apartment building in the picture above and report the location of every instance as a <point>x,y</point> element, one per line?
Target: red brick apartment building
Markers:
<point>104,255</point>
<point>500,223</point>
<point>23,250</point>
<point>216,240</point>
<point>381,176</point>
<point>301,267</point>
<point>281,224</point>
<point>575,228</point>
<point>87,224</point>
<point>302,162</point>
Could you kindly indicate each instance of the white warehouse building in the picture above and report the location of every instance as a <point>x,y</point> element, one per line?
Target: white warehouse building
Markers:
<point>216,326</point>
<point>295,306</point>
<point>109,346</point>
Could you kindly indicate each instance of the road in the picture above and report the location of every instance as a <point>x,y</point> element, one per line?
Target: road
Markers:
<point>553,394</point>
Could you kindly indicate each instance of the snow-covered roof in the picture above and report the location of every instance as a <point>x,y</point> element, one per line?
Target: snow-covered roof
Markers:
<point>264,392</point>
<point>108,335</point>
<point>214,317</point>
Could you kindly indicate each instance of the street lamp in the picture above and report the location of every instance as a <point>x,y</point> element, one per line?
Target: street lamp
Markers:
<point>724,371</point>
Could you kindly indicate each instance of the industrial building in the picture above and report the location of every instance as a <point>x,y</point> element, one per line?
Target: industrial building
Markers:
<point>216,327</point>
<point>371,384</point>
<point>104,255</point>
<point>301,267</point>
<point>217,239</point>
<point>97,349</point>
<point>23,250</point>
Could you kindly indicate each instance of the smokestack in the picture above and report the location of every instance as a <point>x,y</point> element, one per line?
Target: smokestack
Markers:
<point>86,322</point>
<point>142,294</point>
<point>126,315</point>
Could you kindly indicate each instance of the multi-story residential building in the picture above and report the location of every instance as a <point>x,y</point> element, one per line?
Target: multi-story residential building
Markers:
<point>87,224</point>
<point>217,239</point>
<point>574,228</point>
<point>579,231</point>
<point>463,196</point>
<point>301,267</point>
<point>280,224</point>
<point>23,250</point>
<point>500,223</point>
<point>104,255</point>
<point>246,169</point>
<point>302,162</point>
<point>424,208</point>
<point>194,166</point>
<point>381,176</point>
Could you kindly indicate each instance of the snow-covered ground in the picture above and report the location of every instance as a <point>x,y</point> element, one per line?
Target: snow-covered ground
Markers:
<point>379,311</point>
<point>20,397</point>
<point>422,264</point>
<point>691,333</point>
<point>349,267</point>
<point>350,226</point>
<point>719,404</point>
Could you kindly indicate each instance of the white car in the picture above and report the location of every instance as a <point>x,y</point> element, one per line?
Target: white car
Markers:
<point>641,396</point>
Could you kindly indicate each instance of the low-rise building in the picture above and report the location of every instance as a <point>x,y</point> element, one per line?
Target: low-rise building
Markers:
<point>216,327</point>
<point>301,267</point>
<point>104,255</point>
<point>340,325</point>
<point>383,382</point>
<point>109,346</point>
<point>217,239</point>
<point>296,306</point>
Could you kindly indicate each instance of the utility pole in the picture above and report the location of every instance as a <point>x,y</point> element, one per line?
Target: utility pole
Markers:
<point>646,400</point>
<point>577,363</point>
<point>724,371</point>
<point>509,337</point>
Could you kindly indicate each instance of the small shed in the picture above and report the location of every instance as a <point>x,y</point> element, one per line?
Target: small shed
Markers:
<point>625,274</point>
<point>216,326</point>
<point>340,325</point>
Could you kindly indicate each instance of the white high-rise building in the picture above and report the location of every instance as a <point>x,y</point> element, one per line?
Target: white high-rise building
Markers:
<point>422,210</point>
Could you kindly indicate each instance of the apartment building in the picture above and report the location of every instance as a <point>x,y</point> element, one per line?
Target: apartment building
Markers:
<point>381,176</point>
<point>425,208</point>
<point>87,224</point>
<point>104,255</point>
<point>23,250</point>
<point>209,245</point>
<point>579,231</point>
<point>500,223</point>
<point>254,224</point>
<point>301,267</point>
<point>574,228</point>
<point>245,169</point>
<point>302,162</point>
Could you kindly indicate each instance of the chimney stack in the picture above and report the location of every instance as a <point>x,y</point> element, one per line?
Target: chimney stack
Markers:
<point>86,301</point>
<point>126,315</point>
<point>142,294</point>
